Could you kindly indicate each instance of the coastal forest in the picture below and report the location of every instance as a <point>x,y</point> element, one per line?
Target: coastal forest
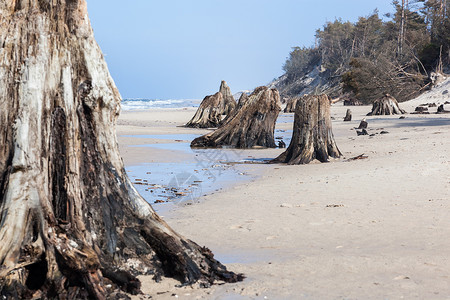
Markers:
<point>399,53</point>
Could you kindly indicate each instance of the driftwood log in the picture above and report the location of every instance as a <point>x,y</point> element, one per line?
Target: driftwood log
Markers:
<point>386,105</point>
<point>252,125</point>
<point>209,113</point>
<point>72,226</point>
<point>312,137</point>
<point>290,104</point>
<point>229,103</point>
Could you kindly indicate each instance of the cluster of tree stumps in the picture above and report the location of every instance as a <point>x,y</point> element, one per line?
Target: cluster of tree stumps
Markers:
<point>252,124</point>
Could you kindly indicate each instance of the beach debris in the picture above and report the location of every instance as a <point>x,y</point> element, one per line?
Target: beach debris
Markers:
<point>386,105</point>
<point>335,205</point>
<point>348,116</point>
<point>421,110</point>
<point>384,132</point>
<point>252,125</point>
<point>441,110</point>
<point>402,117</point>
<point>281,144</point>
<point>362,132</point>
<point>287,205</point>
<point>312,135</point>
<point>361,156</point>
<point>363,124</point>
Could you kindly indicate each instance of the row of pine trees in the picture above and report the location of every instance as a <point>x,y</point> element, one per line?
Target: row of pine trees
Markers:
<point>395,54</point>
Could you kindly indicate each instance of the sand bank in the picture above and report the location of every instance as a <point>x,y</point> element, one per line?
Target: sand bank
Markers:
<point>375,228</point>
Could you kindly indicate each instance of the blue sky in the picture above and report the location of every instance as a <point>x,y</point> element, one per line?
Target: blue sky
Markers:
<point>182,49</point>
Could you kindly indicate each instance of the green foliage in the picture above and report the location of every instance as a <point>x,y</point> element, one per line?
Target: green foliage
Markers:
<point>300,61</point>
<point>374,57</point>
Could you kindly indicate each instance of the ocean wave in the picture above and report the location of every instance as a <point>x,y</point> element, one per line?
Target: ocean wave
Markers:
<point>142,104</point>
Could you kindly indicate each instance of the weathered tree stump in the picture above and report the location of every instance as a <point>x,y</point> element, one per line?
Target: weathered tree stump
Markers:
<point>229,103</point>
<point>348,116</point>
<point>386,105</point>
<point>242,99</point>
<point>72,226</point>
<point>209,113</point>
<point>252,125</point>
<point>421,110</point>
<point>312,137</point>
<point>441,110</point>
<point>290,104</point>
<point>363,124</point>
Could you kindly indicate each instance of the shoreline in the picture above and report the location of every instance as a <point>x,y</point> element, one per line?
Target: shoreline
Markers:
<point>364,229</point>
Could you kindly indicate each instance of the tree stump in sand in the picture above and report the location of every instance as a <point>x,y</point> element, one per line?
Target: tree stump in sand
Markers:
<point>312,137</point>
<point>441,110</point>
<point>209,113</point>
<point>252,125</point>
<point>386,105</point>
<point>72,226</point>
<point>228,104</point>
<point>290,105</point>
<point>348,116</point>
<point>240,104</point>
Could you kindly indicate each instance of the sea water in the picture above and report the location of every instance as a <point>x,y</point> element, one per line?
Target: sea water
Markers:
<point>142,104</point>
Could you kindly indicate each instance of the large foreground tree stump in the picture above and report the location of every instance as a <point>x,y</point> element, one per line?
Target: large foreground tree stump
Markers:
<point>252,125</point>
<point>209,113</point>
<point>312,137</point>
<point>229,103</point>
<point>71,224</point>
<point>386,105</point>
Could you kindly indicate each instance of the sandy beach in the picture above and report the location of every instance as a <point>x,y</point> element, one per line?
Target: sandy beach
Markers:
<point>374,228</point>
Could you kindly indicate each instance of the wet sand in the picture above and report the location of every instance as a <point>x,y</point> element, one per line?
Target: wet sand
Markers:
<point>375,228</point>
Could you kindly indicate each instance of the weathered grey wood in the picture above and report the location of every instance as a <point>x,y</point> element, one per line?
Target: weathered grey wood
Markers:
<point>291,104</point>
<point>252,125</point>
<point>242,99</point>
<point>386,105</point>
<point>71,222</point>
<point>229,103</point>
<point>312,137</point>
<point>209,113</point>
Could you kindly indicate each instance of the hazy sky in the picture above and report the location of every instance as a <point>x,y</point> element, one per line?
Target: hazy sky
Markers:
<point>182,49</point>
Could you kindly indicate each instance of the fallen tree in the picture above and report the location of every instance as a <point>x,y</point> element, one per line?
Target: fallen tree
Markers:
<point>312,136</point>
<point>72,226</point>
<point>252,125</point>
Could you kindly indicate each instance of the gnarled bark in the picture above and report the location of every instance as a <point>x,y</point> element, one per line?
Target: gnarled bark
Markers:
<point>228,104</point>
<point>291,104</point>
<point>70,220</point>
<point>242,99</point>
<point>386,105</point>
<point>252,125</point>
<point>312,137</point>
<point>209,113</point>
